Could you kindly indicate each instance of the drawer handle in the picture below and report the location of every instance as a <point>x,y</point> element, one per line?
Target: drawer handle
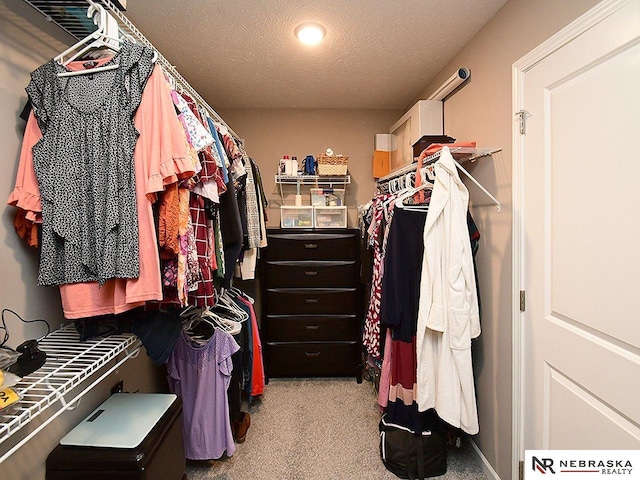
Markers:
<point>311,300</point>
<point>312,327</point>
<point>311,273</point>
<point>310,246</point>
<point>312,354</point>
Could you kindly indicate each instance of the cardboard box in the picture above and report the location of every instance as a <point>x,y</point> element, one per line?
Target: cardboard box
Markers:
<point>382,141</point>
<point>381,161</point>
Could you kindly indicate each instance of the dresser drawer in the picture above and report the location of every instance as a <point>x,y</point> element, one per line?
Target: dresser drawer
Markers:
<point>312,359</point>
<point>321,301</point>
<point>311,246</point>
<point>311,328</point>
<point>341,273</point>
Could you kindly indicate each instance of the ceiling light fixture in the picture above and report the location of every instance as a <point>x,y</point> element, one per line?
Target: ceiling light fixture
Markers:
<point>310,33</point>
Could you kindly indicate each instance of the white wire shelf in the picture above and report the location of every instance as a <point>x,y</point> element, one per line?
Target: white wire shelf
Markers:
<point>299,180</point>
<point>69,363</point>
<point>461,154</point>
<point>313,179</point>
<point>70,15</point>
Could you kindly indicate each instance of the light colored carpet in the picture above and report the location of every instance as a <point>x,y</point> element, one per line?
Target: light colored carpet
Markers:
<point>317,429</point>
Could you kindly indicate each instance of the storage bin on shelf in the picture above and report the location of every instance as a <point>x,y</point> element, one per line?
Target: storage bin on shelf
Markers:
<point>296,216</point>
<point>327,197</point>
<point>330,217</point>
<point>332,165</point>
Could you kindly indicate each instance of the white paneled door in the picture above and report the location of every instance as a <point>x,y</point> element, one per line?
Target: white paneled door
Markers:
<point>577,231</point>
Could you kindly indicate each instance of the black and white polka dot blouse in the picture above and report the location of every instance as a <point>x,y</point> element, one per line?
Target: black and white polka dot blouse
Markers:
<point>85,171</point>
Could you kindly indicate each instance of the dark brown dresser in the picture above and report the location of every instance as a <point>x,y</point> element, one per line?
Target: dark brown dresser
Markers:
<point>311,303</point>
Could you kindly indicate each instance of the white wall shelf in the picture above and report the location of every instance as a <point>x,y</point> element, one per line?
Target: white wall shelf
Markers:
<point>461,154</point>
<point>311,180</point>
<point>401,178</point>
<point>69,364</point>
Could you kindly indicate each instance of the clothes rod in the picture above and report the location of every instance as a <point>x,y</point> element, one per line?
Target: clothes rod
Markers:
<point>466,154</point>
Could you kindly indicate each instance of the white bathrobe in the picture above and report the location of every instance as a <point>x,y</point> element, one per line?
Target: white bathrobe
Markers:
<point>448,311</point>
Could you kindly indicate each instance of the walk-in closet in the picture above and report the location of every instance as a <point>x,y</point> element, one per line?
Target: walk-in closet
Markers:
<point>318,240</point>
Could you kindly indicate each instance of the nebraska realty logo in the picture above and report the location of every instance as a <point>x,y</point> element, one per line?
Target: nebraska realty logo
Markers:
<point>582,464</point>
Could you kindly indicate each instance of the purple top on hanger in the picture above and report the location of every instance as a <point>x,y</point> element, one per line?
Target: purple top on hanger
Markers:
<point>200,376</point>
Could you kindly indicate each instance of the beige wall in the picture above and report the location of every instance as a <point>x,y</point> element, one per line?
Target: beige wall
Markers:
<point>482,111</point>
<point>24,45</point>
<point>271,133</point>
<point>26,41</point>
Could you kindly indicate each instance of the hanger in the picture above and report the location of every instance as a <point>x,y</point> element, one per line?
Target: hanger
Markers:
<point>404,185</point>
<point>188,311</point>
<point>409,193</point>
<point>409,180</point>
<point>399,194</point>
<point>224,324</point>
<point>193,323</point>
<point>107,35</point>
<point>236,291</point>
<point>171,80</point>
<point>200,323</point>
<point>403,179</point>
<point>226,306</point>
<point>428,173</point>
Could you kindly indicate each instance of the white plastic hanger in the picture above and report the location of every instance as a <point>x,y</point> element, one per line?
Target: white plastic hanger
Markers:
<point>410,192</point>
<point>195,315</point>
<point>399,193</point>
<point>240,293</point>
<point>73,73</point>
<point>226,305</point>
<point>224,324</point>
<point>106,36</point>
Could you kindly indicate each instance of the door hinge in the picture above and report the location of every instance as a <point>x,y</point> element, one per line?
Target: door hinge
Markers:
<point>522,300</point>
<point>521,470</point>
<point>522,118</point>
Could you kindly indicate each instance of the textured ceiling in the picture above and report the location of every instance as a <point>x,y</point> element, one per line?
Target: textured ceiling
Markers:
<point>243,54</point>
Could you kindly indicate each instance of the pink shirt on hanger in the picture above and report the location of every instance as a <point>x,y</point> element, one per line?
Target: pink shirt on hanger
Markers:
<point>161,157</point>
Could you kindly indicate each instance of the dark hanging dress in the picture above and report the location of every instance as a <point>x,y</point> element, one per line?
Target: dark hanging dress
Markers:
<point>399,311</point>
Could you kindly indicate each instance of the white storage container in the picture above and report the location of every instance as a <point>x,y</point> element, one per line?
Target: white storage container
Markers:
<point>327,197</point>
<point>296,217</point>
<point>330,217</point>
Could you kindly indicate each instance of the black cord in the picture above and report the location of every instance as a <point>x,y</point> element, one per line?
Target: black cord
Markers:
<point>5,337</point>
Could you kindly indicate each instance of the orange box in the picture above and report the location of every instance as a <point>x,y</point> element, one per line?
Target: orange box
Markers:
<point>380,163</point>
